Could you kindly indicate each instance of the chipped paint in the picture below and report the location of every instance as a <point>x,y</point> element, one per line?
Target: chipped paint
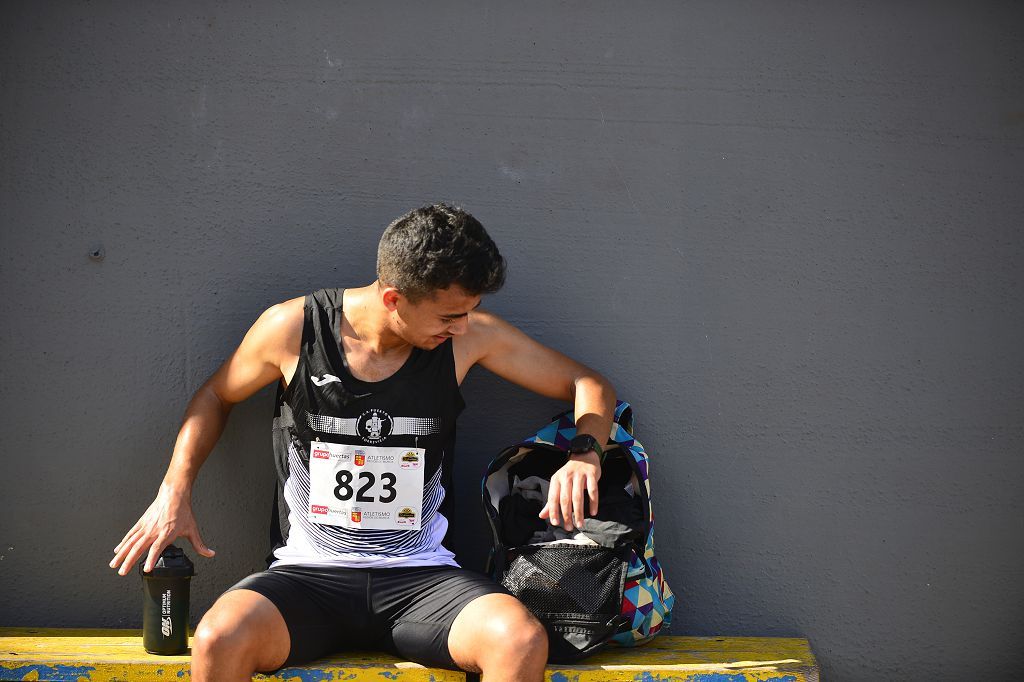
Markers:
<point>50,673</point>
<point>725,677</point>
<point>303,675</point>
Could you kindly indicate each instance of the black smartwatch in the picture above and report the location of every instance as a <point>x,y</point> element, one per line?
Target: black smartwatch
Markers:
<point>585,443</point>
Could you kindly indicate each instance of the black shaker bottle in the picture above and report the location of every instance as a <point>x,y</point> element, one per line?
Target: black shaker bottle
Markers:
<point>165,603</point>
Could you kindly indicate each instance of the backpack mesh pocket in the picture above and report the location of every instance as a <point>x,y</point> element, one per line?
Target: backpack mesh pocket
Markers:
<point>567,581</point>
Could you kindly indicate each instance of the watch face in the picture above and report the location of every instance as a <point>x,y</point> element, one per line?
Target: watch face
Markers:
<point>582,444</point>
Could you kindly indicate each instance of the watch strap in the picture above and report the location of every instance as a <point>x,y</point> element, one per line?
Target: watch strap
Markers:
<point>583,443</point>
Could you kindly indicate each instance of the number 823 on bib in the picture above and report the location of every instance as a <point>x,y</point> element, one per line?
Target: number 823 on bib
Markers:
<point>356,486</point>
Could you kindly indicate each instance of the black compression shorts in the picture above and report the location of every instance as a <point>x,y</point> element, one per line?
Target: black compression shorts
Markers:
<point>405,611</point>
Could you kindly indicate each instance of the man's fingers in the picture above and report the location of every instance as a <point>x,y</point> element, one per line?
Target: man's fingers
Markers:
<point>592,493</point>
<point>197,542</point>
<point>154,553</point>
<point>552,506</point>
<point>135,550</point>
<point>565,498</point>
<point>122,549</point>
<point>126,548</point>
<point>124,540</point>
<point>577,501</point>
<point>143,542</point>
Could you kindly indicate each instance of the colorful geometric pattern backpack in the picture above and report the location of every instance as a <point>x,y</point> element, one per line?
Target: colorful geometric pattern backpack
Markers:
<point>592,586</point>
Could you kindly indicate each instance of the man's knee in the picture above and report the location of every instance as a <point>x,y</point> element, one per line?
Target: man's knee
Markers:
<point>242,628</point>
<point>218,637</point>
<point>497,632</point>
<point>517,635</point>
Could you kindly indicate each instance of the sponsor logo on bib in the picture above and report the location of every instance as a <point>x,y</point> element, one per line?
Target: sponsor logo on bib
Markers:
<point>406,517</point>
<point>318,508</point>
<point>357,516</point>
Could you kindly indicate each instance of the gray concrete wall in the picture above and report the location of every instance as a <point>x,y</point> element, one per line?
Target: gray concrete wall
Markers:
<point>789,232</point>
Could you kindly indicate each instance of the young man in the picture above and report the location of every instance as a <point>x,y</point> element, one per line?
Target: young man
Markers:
<point>364,436</point>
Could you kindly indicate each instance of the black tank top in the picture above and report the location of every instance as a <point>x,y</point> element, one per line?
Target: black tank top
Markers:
<point>415,407</point>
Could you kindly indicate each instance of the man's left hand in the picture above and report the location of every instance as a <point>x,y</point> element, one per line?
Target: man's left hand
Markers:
<point>579,476</point>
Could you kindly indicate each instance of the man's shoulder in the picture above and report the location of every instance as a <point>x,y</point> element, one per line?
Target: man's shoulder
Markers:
<point>484,320</point>
<point>286,313</point>
<point>280,325</point>
<point>487,331</point>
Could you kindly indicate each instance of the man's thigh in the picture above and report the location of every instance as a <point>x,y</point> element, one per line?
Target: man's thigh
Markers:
<point>322,610</point>
<point>416,608</point>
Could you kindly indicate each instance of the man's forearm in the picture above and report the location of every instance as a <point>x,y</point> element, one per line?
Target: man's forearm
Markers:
<point>594,399</point>
<point>594,405</point>
<point>201,427</point>
<point>170,515</point>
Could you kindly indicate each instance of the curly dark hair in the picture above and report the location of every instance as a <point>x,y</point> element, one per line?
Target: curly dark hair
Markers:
<point>434,247</point>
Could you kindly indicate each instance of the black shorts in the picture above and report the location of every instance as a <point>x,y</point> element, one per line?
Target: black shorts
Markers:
<point>405,611</point>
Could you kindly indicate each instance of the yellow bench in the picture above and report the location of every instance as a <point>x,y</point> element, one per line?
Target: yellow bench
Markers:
<point>63,655</point>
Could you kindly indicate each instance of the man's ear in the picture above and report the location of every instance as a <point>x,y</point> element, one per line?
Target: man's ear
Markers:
<point>390,296</point>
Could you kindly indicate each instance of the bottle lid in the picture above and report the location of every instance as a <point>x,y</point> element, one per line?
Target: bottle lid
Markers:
<point>173,563</point>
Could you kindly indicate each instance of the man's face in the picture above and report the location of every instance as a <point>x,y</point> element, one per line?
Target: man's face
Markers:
<point>432,321</point>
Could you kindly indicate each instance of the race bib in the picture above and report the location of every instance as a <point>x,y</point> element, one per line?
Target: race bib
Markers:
<point>358,486</point>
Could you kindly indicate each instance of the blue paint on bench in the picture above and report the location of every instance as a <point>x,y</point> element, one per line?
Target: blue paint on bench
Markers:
<point>723,677</point>
<point>56,673</point>
<point>305,674</point>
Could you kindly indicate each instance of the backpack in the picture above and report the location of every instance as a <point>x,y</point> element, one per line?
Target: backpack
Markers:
<point>587,595</point>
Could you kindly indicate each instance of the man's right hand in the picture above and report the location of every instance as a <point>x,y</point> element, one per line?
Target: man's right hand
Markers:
<point>167,519</point>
